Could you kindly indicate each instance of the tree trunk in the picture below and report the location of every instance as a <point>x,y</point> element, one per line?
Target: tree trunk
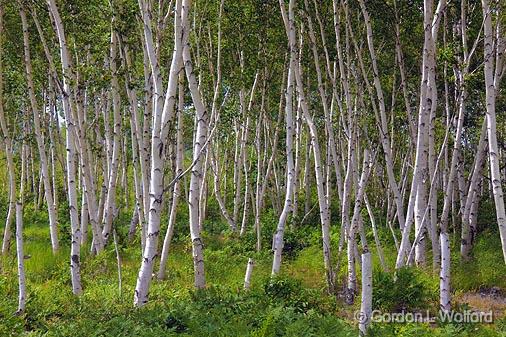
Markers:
<point>444,276</point>
<point>249,272</point>
<point>75,265</point>
<point>492,73</point>
<point>290,169</point>
<point>53,221</point>
<point>7,141</point>
<point>196,172</point>
<point>366,298</point>
<point>110,203</point>
<point>177,185</point>
<point>21,258</point>
<point>162,115</point>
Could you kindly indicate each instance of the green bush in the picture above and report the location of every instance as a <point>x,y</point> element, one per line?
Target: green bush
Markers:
<point>403,291</point>
<point>282,288</point>
<point>290,293</point>
<point>482,270</point>
<point>295,240</point>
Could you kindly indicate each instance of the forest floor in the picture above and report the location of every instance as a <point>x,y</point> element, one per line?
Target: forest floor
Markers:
<point>295,304</point>
<point>485,299</point>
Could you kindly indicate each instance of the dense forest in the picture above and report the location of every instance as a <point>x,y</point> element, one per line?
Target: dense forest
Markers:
<point>252,168</point>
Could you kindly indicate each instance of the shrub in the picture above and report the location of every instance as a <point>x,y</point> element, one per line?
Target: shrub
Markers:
<point>282,288</point>
<point>403,291</point>
<point>175,322</point>
<point>289,293</point>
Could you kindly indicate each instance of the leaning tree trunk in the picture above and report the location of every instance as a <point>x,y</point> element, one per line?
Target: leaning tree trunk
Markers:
<point>382,122</point>
<point>177,185</point>
<point>21,258</point>
<point>289,21</point>
<point>492,77</point>
<point>196,172</point>
<point>467,233</point>
<point>8,150</point>
<point>354,226</point>
<point>75,265</point>
<point>290,170</point>
<point>110,203</point>
<point>162,115</point>
<point>53,221</point>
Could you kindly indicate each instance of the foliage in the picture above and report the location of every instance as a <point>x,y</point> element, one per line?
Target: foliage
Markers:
<point>404,290</point>
<point>482,271</point>
<point>294,304</point>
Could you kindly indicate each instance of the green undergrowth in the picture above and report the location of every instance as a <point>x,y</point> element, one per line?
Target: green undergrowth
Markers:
<point>294,304</point>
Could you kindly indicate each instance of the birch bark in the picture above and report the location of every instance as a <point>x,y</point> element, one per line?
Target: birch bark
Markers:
<point>53,221</point>
<point>21,258</point>
<point>366,298</point>
<point>196,172</point>
<point>162,114</point>
<point>492,71</point>
<point>177,185</point>
<point>290,167</point>
<point>110,203</point>
<point>7,142</point>
<point>289,21</point>
<point>75,265</point>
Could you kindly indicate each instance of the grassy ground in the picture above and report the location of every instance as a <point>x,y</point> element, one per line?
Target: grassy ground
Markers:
<point>293,305</point>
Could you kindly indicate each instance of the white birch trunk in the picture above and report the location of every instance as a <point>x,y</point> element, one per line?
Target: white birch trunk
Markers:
<point>196,172</point>
<point>7,142</point>
<point>354,227</point>
<point>21,258</point>
<point>249,272</point>
<point>84,220</point>
<point>492,71</point>
<point>289,21</point>
<point>75,267</point>
<point>290,168</point>
<point>366,298</point>
<point>326,112</point>
<point>159,132</point>
<point>444,276</point>
<point>110,203</point>
<point>53,221</point>
<point>177,185</point>
<point>375,233</point>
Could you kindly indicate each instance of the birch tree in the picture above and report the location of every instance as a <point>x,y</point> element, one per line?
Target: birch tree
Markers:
<point>8,146</point>
<point>289,21</point>
<point>198,146</point>
<point>75,267</point>
<point>493,60</point>
<point>162,114</point>
<point>290,165</point>
<point>21,259</point>
<point>53,221</point>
